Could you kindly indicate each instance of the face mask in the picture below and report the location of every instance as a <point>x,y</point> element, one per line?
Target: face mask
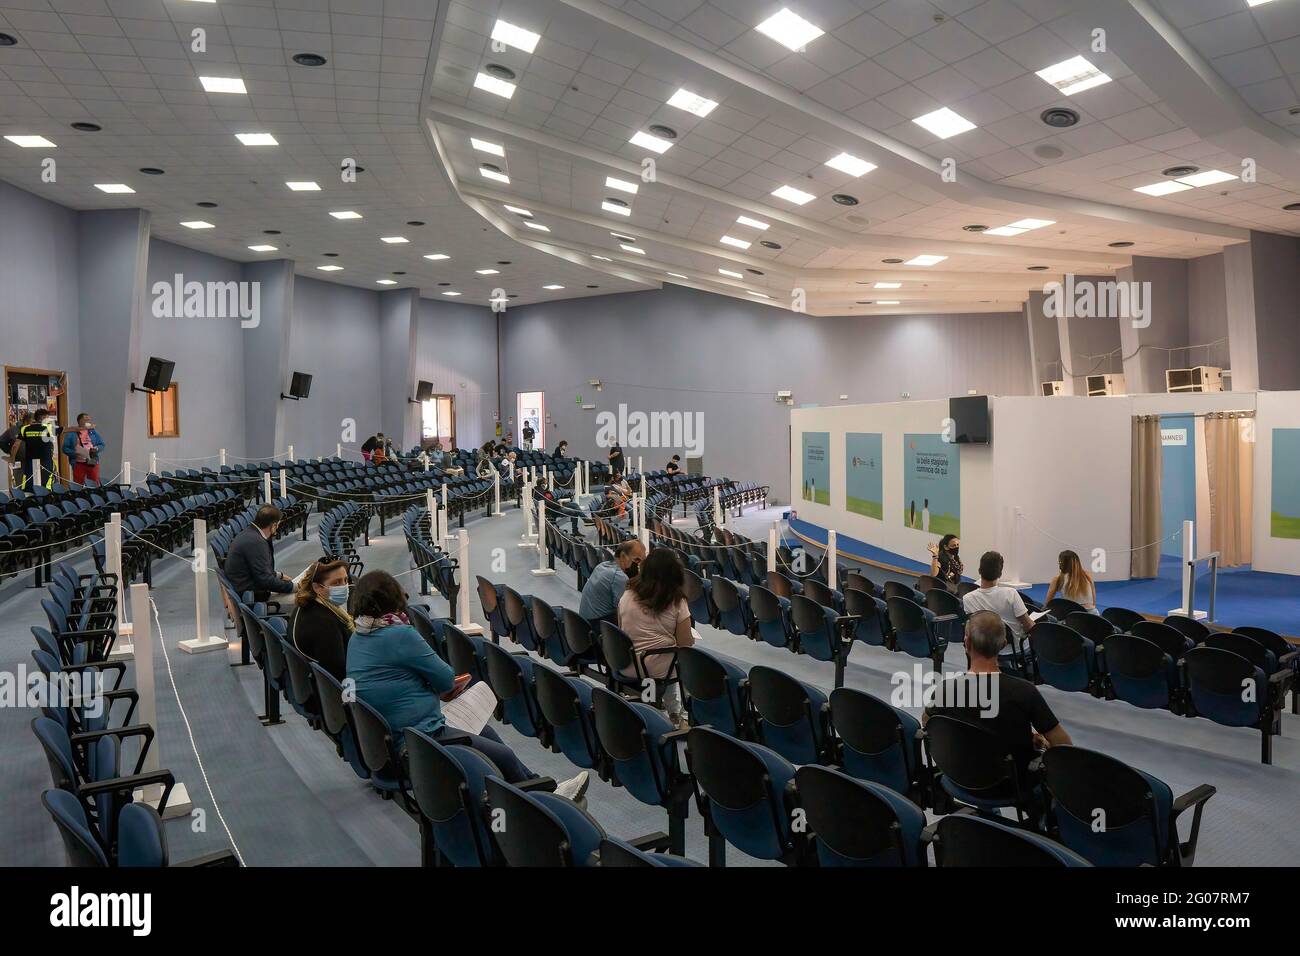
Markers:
<point>338,594</point>
<point>633,569</point>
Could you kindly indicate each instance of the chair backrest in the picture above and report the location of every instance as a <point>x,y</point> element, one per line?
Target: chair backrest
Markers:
<point>963,840</point>
<point>905,614</point>
<point>859,582</point>
<point>763,603</point>
<point>616,647</point>
<point>1061,607</point>
<point>971,757</point>
<point>1245,646</point>
<point>1122,617</point>
<point>516,610</point>
<point>819,592</point>
<point>725,596</point>
<point>1169,639</point>
<point>851,819</point>
<point>329,692</point>
<point>487,595</point>
<point>450,791</point>
<point>1269,639</point>
<point>928,582</point>
<point>374,740</point>
<point>778,697</point>
<point>779,584</point>
<point>537,834</point>
<point>1192,629</point>
<point>559,702</point>
<point>1082,782</point>
<point>1092,626</point>
<point>942,601</point>
<point>141,839</point>
<point>301,682</point>
<point>79,841</point>
<point>896,589</point>
<point>578,633</point>
<point>808,615</point>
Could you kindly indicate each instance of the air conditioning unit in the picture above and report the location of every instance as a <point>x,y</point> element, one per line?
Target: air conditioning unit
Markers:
<point>1106,385</point>
<point>1053,388</point>
<point>1202,378</point>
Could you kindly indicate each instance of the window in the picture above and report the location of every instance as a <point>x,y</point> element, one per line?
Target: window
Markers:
<point>438,421</point>
<point>164,413</point>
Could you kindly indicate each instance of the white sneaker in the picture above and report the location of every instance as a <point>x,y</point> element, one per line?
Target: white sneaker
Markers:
<point>575,788</point>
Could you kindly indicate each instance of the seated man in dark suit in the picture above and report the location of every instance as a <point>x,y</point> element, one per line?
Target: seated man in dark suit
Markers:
<point>250,562</point>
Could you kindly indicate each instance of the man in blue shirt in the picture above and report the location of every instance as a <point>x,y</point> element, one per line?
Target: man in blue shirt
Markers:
<point>608,581</point>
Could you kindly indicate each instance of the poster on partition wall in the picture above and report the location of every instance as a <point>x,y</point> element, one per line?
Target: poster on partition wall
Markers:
<point>1285,517</point>
<point>864,483</point>
<point>817,467</point>
<point>931,485</point>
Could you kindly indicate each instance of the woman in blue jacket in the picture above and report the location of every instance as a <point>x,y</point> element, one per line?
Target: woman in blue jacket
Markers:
<point>397,673</point>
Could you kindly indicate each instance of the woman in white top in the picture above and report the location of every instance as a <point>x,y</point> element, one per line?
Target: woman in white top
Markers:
<point>1073,583</point>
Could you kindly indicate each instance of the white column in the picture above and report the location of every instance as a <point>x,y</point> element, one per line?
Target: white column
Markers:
<point>338,451</point>
<point>717,506</point>
<point>463,620</point>
<point>37,477</point>
<point>153,463</point>
<point>529,534</point>
<point>266,487</point>
<point>221,458</point>
<point>773,543</point>
<point>832,559</point>
<point>496,494</point>
<point>178,803</point>
<point>541,568</point>
<point>203,639</point>
<point>586,477</point>
<point>446,517</point>
<point>645,532</point>
<point>640,470</point>
<point>284,484</point>
<point>430,504</point>
<point>550,482</point>
<point>289,457</point>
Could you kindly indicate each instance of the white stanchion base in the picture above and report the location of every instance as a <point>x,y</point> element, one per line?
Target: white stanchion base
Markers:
<point>528,544</point>
<point>122,652</point>
<point>1195,615</point>
<point>199,645</point>
<point>473,630</point>
<point>178,801</point>
<point>542,572</point>
<point>125,629</point>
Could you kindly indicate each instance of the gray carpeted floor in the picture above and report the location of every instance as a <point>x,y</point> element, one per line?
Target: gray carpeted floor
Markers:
<point>287,799</point>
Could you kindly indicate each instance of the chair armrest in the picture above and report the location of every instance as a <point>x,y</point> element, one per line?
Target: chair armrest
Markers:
<point>1193,798</point>
<point>542,784</point>
<point>1289,659</point>
<point>130,784</point>
<point>121,733</point>
<point>219,858</point>
<point>82,637</point>
<point>944,618</point>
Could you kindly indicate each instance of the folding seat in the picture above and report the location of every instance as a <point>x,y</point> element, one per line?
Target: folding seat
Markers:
<point>871,617</point>
<point>896,589</point>
<point>430,629</point>
<point>913,629</point>
<point>1234,690</point>
<point>335,720</point>
<point>823,634</point>
<point>545,830</point>
<point>640,749</point>
<point>969,840</point>
<point>82,715</point>
<point>859,823</point>
<point>791,716</point>
<point>782,585</point>
<point>732,605</point>
<point>823,594</point>
<point>928,582</point>
<point>142,841</point>
<point>1061,608</point>
<point>511,679</point>
<point>698,598</point>
<point>490,597</point>
<point>1138,812</point>
<point>379,753</point>
<point>746,794</point>
<point>625,666</point>
<point>771,617</point>
<point>1141,672</point>
<point>949,614</point>
<point>1122,617</point>
<point>301,685</point>
<point>581,640</point>
<point>1193,630</point>
<point>449,786</point>
<point>518,611</point>
<point>973,768</point>
<point>464,652</point>
<point>1092,626</point>
<point>548,628</point>
<point>715,692</point>
<point>252,635</point>
<point>1064,658</point>
<point>879,742</point>
<point>614,852</point>
<point>95,641</point>
<point>565,704</point>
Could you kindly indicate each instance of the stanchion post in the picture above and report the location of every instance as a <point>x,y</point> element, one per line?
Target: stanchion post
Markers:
<point>433,514</point>
<point>645,532</point>
<point>289,456</point>
<point>338,451</point>
<point>717,506</point>
<point>541,568</point>
<point>773,545</point>
<point>463,620</point>
<point>126,473</point>
<point>284,484</point>
<point>178,802</point>
<point>203,639</point>
<point>529,534</point>
<point>221,458</point>
<point>266,487</point>
<point>122,649</point>
<point>496,494</point>
<point>153,463</point>
<point>832,560</point>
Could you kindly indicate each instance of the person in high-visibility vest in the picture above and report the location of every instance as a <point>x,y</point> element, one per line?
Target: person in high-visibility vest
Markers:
<point>38,446</point>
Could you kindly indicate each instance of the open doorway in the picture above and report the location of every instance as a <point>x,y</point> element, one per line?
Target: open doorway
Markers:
<point>530,408</point>
<point>438,422</point>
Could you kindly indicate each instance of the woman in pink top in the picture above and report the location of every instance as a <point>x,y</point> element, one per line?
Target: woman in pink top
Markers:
<point>653,613</point>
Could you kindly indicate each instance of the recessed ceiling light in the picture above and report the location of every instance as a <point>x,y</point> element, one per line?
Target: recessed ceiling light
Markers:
<point>488,272</point>
<point>483,146</point>
<point>197,224</point>
<point>789,29</point>
<point>553,287</point>
<point>924,260</point>
<point>386,282</point>
<point>305,59</point>
<point>437,256</point>
<point>305,186</point>
<point>114,188</point>
<point>734,275</point>
<point>944,123</point>
<point>848,163</point>
<point>536,225</point>
<point>222,84</point>
<point>752,223</point>
<point>891,262</point>
<point>796,196</point>
<point>451,293</point>
<point>490,84</point>
<point>346,214</point>
<point>622,210</point>
<point>494,174</point>
<point>621,184</point>
<point>633,249</point>
<point>31,142</point>
<point>394,240</point>
<point>517,37</point>
<point>87,127</point>
<point>684,99</point>
<point>330,268</point>
<point>519,211</point>
<point>263,247</point>
<point>733,241</point>
<point>603,258</point>
<point>1004,231</point>
<point>761,295</point>
<point>886,302</point>
<point>257,139</point>
<point>888,285</point>
<point>677,275</point>
<point>1210,177</point>
<point>1163,188</point>
<point>1032,223</point>
<point>1073,75</point>
<point>653,143</point>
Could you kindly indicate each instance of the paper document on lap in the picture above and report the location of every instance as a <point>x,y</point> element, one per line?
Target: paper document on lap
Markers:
<point>471,711</point>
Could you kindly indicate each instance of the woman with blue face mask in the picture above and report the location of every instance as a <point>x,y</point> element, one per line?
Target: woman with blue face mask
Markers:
<point>321,626</point>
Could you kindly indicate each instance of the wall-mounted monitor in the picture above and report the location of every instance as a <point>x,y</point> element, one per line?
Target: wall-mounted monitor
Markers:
<point>423,391</point>
<point>300,385</point>
<point>970,417</point>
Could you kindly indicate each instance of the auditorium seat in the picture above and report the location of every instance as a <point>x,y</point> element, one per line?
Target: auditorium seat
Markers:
<point>969,840</point>
<point>858,823</point>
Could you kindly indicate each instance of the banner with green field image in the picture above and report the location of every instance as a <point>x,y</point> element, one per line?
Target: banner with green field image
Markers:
<point>817,467</point>
<point>1286,483</point>
<point>864,481</point>
<point>931,485</point>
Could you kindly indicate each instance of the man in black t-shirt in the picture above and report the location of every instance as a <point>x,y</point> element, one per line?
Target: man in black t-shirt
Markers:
<point>1010,707</point>
<point>674,465</point>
